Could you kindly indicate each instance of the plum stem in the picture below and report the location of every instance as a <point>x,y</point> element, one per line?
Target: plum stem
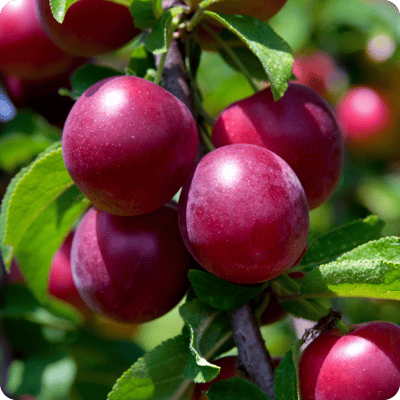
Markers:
<point>253,355</point>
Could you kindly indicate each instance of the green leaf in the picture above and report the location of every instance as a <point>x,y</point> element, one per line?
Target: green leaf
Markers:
<point>285,386</point>
<point>247,58</point>
<point>343,239</point>
<point>221,294</point>
<point>159,374</point>
<point>236,389</point>
<point>210,330</point>
<point>141,61</point>
<point>145,13</point>
<point>273,52</point>
<point>371,270</point>
<point>60,7</point>
<point>38,210</point>
<point>88,75</point>
<point>160,38</point>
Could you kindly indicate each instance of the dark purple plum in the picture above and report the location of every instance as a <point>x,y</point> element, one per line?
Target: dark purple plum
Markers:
<point>129,145</point>
<point>300,127</point>
<point>90,27</point>
<point>130,269</point>
<point>243,214</point>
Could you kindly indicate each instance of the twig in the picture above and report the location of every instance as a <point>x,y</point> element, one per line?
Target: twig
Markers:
<point>253,355</point>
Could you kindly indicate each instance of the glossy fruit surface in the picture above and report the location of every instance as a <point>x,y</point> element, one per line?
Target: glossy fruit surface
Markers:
<point>131,269</point>
<point>369,121</point>
<point>362,365</point>
<point>90,27</point>
<point>261,9</point>
<point>231,240</point>
<point>25,49</point>
<point>129,145</point>
<point>300,127</point>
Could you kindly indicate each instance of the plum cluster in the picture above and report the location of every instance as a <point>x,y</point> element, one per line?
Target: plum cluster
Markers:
<point>243,213</point>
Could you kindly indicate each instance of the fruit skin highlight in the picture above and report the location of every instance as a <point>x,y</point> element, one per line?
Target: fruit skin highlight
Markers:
<point>90,27</point>
<point>362,365</point>
<point>130,269</point>
<point>230,240</point>
<point>300,127</point>
<point>128,153</point>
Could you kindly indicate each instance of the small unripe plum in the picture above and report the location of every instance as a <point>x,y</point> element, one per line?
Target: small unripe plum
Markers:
<point>300,127</point>
<point>362,365</point>
<point>369,120</point>
<point>243,214</point>
<point>90,27</point>
<point>129,145</point>
<point>261,9</point>
<point>228,370</point>
<point>25,49</point>
<point>130,269</point>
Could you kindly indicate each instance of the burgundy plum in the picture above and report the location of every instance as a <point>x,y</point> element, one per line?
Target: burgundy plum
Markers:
<point>130,269</point>
<point>129,145</point>
<point>25,49</point>
<point>300,127</point>
<point>230,239</point>
<point>362,365</point>
<point>90,27</point>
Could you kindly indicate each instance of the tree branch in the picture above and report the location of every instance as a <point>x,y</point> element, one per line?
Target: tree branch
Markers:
<point>253,354</point>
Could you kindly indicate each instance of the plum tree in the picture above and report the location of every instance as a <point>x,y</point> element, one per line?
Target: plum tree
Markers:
<point>127,153</point>
<point>131,269</point>
<point>261,9</point>
<point>90,27</point>
<point>300,127</point>
<point>228,370</point>
<point>232,241</point>
<point>25,49</point>
<point>362,365</point>
<point>369,121</point>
